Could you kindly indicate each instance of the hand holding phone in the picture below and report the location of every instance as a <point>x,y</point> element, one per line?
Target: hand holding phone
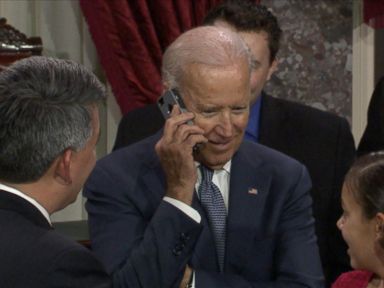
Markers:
<point>180,138</point>
<point>168,100</point>
<point>166,103</point>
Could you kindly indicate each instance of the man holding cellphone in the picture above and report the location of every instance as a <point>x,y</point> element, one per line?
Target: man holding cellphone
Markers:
<point>321,140</point>
<point>151,216</point>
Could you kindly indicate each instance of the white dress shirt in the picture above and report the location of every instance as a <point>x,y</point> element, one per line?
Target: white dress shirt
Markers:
<point>221,179</point>
<point>29,199</point>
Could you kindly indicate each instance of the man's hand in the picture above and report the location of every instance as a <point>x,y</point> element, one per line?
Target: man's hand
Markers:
<point>175,150</point>
<point>186,278</point>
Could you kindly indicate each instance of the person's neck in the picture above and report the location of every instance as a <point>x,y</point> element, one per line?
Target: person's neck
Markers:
<point>36,192</point>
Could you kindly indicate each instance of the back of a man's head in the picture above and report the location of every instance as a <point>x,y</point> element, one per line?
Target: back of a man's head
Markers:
<point>44,109</point>
<point>207,45</point>
<point>247,16</point>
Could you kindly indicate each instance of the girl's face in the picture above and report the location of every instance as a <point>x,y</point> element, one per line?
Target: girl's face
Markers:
<point>358,232</point>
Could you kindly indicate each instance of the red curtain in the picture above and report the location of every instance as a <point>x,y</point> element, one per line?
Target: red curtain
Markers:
<point>374,13</point>
<point>130,37</point>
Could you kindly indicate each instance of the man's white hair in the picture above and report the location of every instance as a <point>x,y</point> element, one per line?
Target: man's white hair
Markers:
<point>207,45</point>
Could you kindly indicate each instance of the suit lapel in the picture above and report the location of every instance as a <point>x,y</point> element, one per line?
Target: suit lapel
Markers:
<point>12,202</point>
<point>249,186</point>
<point>204,256</point>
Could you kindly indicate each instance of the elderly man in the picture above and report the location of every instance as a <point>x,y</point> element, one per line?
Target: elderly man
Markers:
<point>227,214</point>
<point>49,126</point>
<point>320,140</point>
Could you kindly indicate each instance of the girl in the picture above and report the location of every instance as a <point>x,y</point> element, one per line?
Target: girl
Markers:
<point>362,222</point>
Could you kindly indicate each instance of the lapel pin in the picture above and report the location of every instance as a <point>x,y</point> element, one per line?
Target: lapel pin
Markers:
<point>252,191</point>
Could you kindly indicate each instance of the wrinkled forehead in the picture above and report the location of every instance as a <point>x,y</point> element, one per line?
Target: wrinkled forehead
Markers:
<point>207,84</point>
<point>199,73</point>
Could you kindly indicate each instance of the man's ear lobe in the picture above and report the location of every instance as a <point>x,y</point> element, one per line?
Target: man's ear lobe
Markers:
<point>272,68</point>
<point>166,86</point>
<point>63,167</point>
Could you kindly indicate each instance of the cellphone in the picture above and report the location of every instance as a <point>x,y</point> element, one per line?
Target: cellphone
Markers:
<point>166,103</point>
<point>168,100</point>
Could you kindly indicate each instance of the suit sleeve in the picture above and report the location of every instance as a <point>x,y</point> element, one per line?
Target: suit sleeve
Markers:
<point>77,268</point>
<point>138,247</point>
<point>296,260</point>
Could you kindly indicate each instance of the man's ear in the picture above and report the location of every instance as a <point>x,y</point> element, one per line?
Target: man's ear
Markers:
<point>165,86</point>
<point>63,167</point>
<point>272,68</point>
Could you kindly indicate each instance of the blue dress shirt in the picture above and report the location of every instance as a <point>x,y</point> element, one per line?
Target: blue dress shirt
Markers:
<point>252,130</point>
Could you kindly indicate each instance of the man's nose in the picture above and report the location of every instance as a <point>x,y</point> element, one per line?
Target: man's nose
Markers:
<point>225,127</point>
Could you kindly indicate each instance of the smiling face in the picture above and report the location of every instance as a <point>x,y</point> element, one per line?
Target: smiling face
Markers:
<point>358,232</point>
<point>219,97</point>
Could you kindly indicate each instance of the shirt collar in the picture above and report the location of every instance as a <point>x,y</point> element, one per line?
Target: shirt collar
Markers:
<point>226,167</point>
<point>27,198</point>
<point>252,130</point>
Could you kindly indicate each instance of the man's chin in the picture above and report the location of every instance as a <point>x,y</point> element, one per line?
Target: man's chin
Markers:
<point>212,161</point>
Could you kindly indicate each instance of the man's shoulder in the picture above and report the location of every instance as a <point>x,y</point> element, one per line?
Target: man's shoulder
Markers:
<point>32,235</point>
<point>146,113</point>
<point>43,256</point>
<point>25,239</point>
<point>271,165</point>
<point>128,157</point>
<point>58,249</point>
<point>21,225</point>
<point>256,152</point>
<point>300,111</point>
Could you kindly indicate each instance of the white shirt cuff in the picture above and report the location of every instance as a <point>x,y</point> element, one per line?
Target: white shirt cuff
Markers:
<point>193,279</point>
<point>185,208</point>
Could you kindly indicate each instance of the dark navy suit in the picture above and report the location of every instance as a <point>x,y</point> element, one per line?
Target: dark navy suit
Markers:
<point>33,255</point>
<point>373,137</point>
<point>320,140</point>
<point>146,242</point>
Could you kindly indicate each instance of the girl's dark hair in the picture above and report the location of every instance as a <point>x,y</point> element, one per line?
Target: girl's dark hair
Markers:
<point>365,180</point>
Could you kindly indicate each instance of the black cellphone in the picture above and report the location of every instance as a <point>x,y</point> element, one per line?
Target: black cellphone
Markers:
<point>167,100</point>
<point>166,103</point>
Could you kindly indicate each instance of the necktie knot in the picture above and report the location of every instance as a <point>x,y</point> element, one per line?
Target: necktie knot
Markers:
<point>206,174</point>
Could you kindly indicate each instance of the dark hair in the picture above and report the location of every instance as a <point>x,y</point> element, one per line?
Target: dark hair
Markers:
<point>44,109</point>
<point>365,180</point>
<point>247,16</point>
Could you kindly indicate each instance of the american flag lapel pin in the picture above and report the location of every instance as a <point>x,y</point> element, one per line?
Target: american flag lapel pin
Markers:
<point>252,191</point>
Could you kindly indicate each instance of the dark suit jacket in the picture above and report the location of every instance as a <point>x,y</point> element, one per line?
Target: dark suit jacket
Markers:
<point>320,140</point>
<point>373,137</point>
<point>146,242</point>
<point>33,255</point>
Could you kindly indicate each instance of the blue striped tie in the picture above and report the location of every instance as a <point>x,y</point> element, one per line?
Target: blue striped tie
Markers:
<point>213,203</point>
